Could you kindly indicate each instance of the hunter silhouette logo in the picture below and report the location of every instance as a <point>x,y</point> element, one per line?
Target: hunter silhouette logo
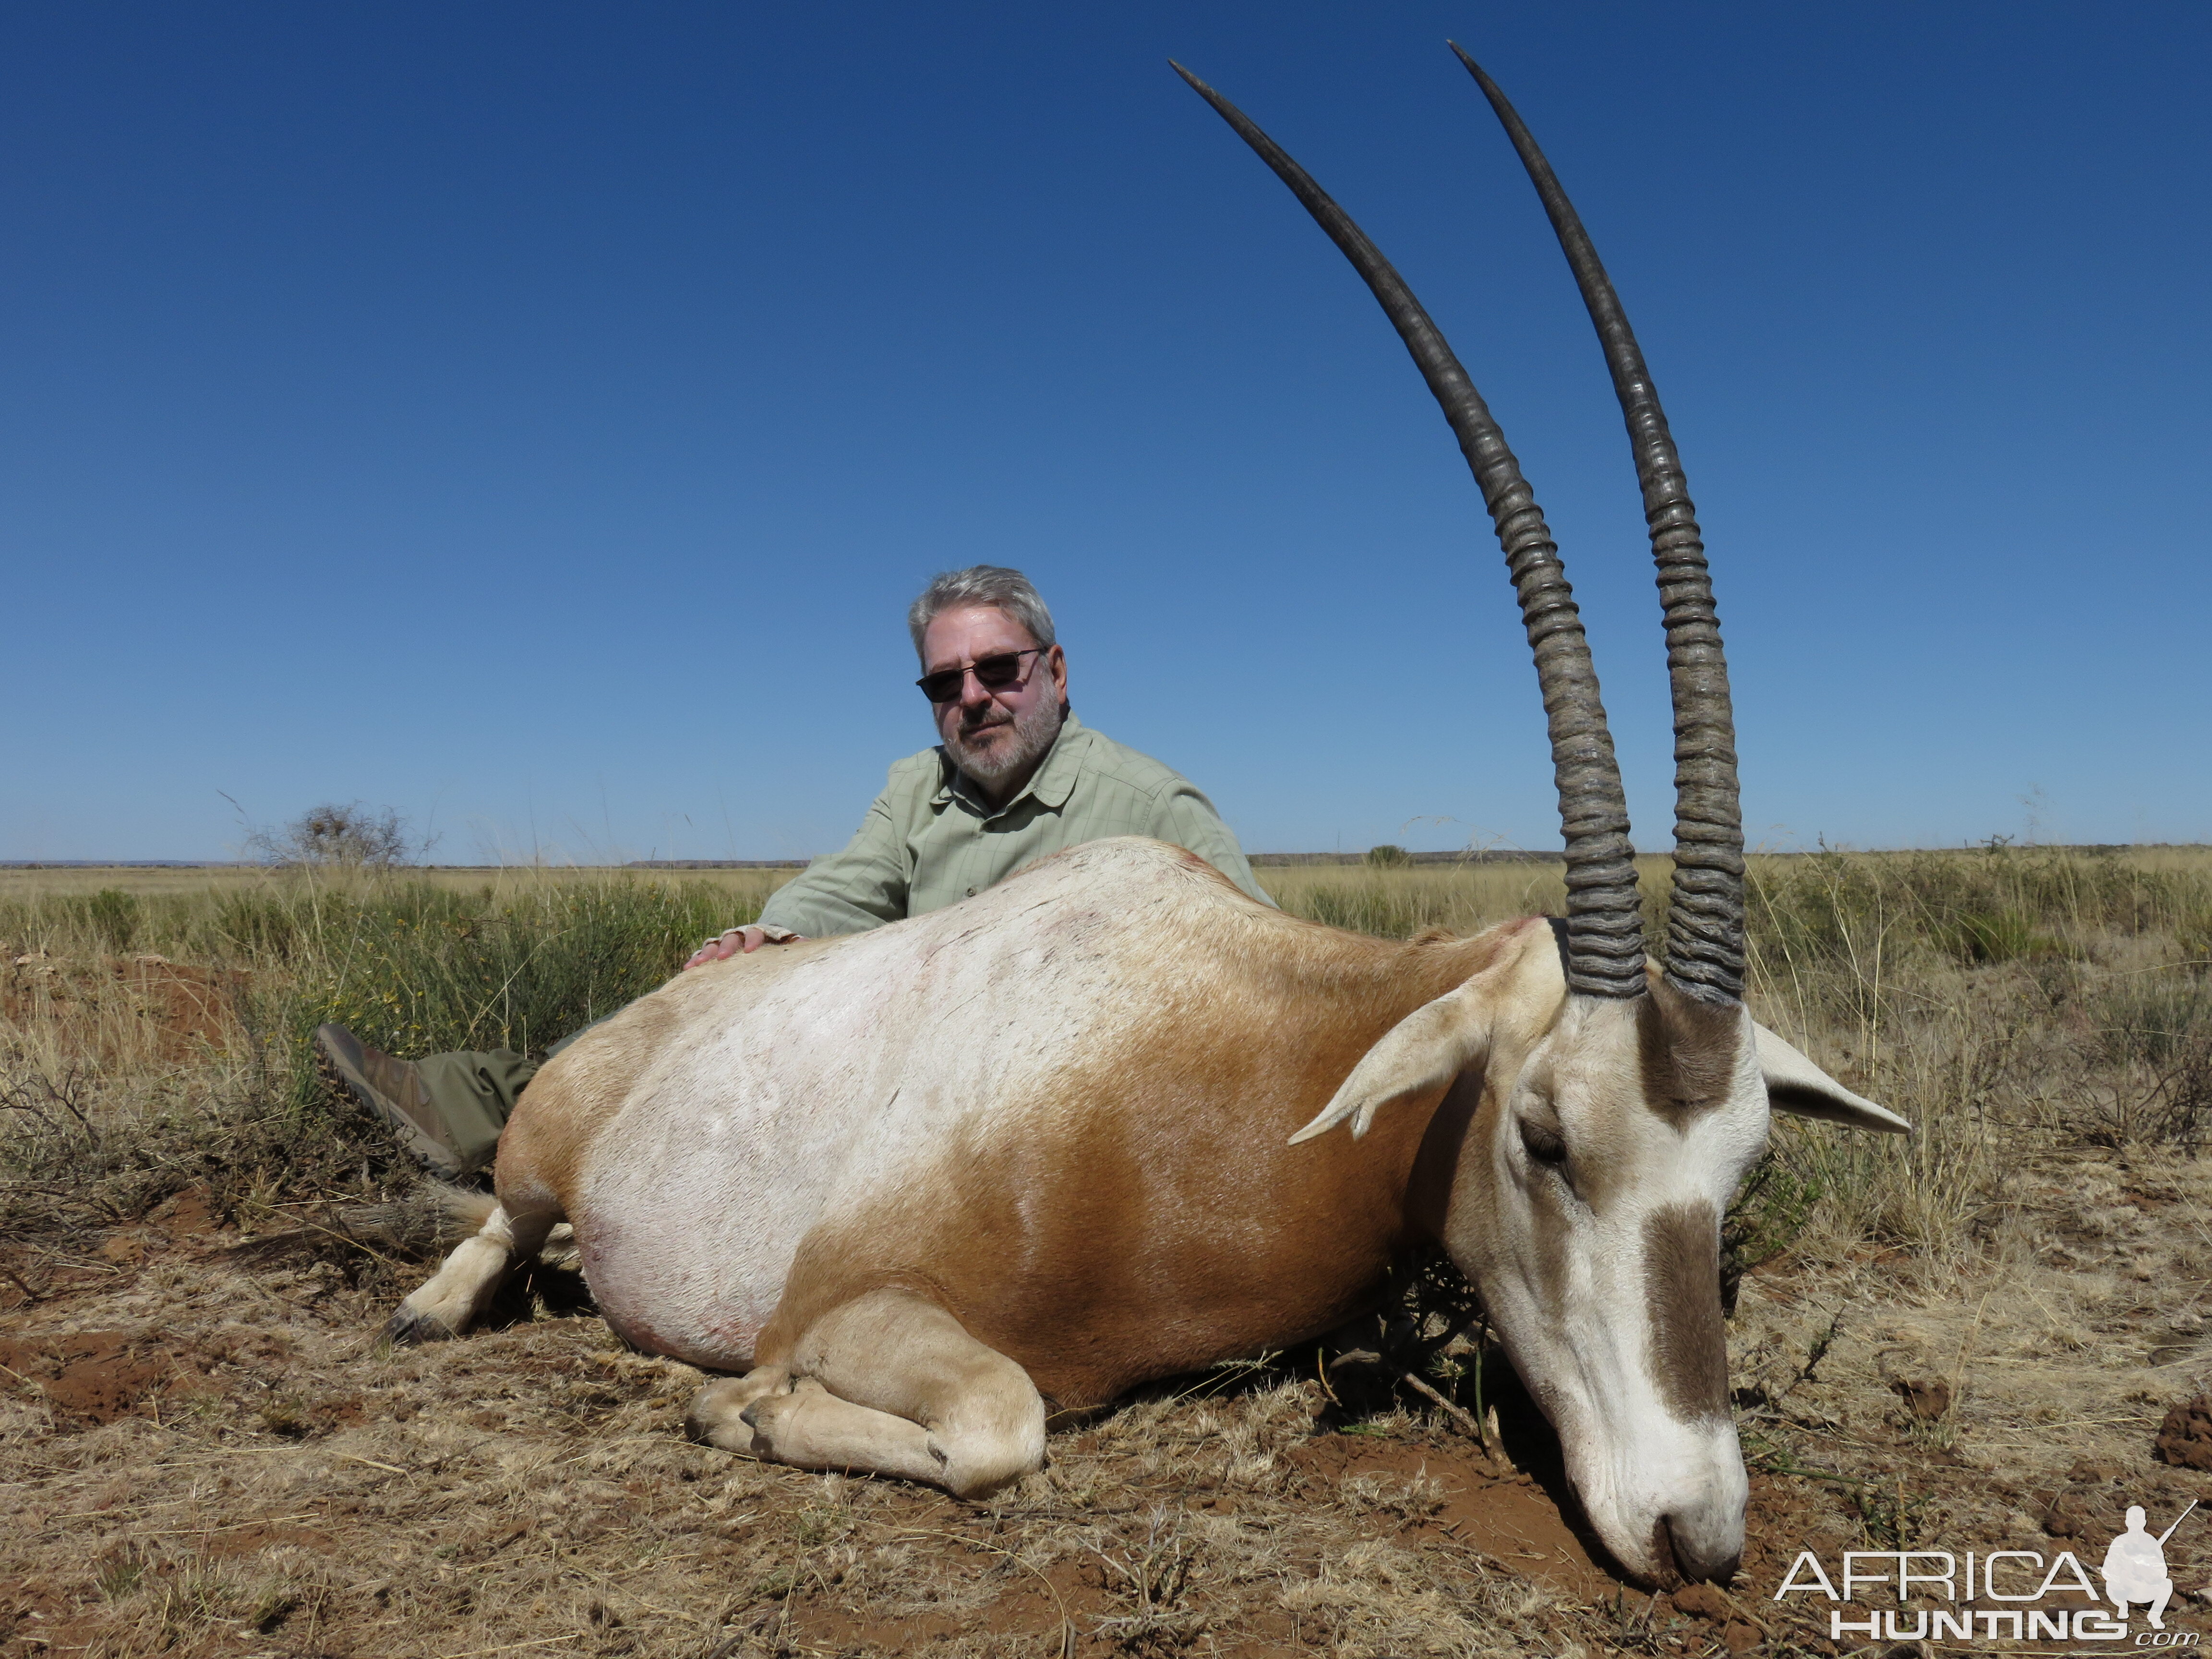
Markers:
<point>2049,1594</point>
<point>2134,1566</point>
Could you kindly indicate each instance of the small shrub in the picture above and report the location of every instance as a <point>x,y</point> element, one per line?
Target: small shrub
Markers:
<point>1387,857</point>
<point>1770,1210</point>
<point>331,837</point>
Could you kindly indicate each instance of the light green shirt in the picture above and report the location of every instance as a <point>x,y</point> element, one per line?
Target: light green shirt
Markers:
<point>930,840</point>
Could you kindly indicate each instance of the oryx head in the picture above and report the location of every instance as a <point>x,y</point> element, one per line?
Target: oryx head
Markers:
<point>1601,1112</point>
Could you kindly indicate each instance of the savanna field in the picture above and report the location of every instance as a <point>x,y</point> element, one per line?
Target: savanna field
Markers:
<point>1987,1337</point>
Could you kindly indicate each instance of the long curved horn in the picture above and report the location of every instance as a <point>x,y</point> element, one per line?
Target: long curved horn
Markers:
<point>1705,918</point>
<point>1605,928</point>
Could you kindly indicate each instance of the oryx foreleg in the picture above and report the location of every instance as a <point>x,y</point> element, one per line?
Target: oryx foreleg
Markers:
<point>889,1383</point>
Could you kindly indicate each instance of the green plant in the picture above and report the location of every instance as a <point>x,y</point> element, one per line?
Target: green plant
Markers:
<point>117,1575</point>
<point>417,969</point>
<point>1771,1208</point>
<point>112,918</point>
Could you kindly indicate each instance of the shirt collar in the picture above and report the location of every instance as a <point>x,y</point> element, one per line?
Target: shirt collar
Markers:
<point>1049,786</point>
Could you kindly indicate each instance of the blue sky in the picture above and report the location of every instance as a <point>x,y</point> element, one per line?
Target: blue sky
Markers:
<point>535,418</point>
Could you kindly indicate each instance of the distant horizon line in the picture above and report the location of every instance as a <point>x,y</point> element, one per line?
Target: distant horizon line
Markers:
<point>1265,860</point>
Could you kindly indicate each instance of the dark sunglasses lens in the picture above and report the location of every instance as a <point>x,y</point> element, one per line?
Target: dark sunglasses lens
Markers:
<point>992,673</point>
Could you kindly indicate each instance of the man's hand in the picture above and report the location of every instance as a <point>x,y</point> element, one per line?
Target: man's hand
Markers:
<point>731,941</point>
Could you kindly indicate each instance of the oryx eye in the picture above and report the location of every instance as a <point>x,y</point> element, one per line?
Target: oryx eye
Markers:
<point>1542,1142</point>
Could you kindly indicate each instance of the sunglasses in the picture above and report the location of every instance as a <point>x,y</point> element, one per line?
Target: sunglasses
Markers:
<point>994,673</point>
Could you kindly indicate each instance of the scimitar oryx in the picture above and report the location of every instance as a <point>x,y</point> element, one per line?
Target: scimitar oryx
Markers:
<point>918,1186</point>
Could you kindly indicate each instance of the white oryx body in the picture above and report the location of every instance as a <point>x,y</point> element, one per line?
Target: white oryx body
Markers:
<point>833,1083</point>
<point>1072,1093</point>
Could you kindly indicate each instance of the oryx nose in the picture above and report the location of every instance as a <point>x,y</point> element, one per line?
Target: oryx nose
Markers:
<point>1710,1547</point>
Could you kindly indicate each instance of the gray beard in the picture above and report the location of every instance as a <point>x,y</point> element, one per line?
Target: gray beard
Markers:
<point>1034,733</point>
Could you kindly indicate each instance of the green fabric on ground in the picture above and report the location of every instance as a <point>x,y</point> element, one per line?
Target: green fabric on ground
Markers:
<point>474,1094</point>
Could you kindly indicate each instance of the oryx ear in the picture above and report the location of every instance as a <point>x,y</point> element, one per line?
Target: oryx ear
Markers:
<point>1796,1086</point>
<point>1425,1050</point>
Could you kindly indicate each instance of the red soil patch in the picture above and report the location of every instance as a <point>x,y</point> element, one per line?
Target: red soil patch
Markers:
<point>188,1215</point>
<point>249,1540</point>
<point>32,1597</point>
<point>2185,1439</point>
<point>94,1377</point>
<point>191,1007</point>
<point>188,1009</point>
<point>1489,1506</point>
<point>90,1377</point>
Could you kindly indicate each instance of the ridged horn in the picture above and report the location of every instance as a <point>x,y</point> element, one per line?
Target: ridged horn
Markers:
<point>1605,929</point>
<point>1704,916</point>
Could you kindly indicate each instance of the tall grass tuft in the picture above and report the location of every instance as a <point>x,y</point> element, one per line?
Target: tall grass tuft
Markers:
<point>416,969</point>
<point>414,964</point>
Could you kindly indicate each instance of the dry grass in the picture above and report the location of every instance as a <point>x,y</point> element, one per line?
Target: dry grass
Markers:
<point>1962,1341</point>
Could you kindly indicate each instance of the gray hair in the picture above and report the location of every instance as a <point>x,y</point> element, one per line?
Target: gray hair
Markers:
<point>992,585</point>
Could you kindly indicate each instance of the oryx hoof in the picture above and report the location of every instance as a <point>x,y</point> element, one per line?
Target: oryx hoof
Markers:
<point>722,1414</point>
<point>766,1427</point>
<point>410,1328</point>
